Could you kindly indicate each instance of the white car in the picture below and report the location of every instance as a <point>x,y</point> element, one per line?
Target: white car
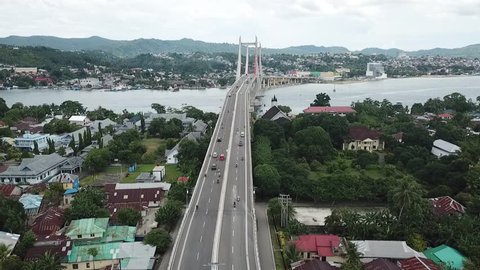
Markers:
<point>214,155</point>
<point>242,134</point>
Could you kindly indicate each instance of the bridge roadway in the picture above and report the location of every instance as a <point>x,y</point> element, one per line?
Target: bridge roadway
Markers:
<point>219,235</point>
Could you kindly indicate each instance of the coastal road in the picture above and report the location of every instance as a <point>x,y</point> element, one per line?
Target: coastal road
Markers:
<point>219,234</point>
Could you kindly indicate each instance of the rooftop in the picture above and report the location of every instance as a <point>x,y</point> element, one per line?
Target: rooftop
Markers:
<point>416,263</point>
<point>361,133</point>
<point>446,205</point>
<point>329,109</point>
<point>446,146</point>
<point>385,249</point>
<point>87,226</point>
<point>381,264</point>
<point>35,165</point>
<point>129,186</point>
<point>77,118</point>
<point>445,255</point>
<point>9,239</point>
<point>49,222</point>
<point>323,245</point>
<point>31,201</point>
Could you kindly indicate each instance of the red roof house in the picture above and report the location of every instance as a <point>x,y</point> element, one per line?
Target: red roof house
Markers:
<point>49,222</point>
<point>318,245</point>
<point>183,179</point>
<point>446,206</point>
<point>336,110</point>
<point>59,246</point>
<point>416,263</point>
<point>10,190</point>
<point>149,193</point>
<point>314,264</point>
<point>445,116</point>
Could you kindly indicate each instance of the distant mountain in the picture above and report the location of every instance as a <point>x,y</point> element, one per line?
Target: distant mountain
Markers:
<point>131,48</point>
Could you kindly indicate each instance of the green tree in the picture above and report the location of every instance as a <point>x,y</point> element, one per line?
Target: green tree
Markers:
<point>35,148</point>
<point>285,109</point>
<point>54,194</point>
<point>158,238</point>
<point>353,259</point>
<point>313,143</point>
<point>4,253</point>
<point>321,99</point>
<point>49,261</point>
<point>128,216</point>
<point>406,196</point>
<point>3,107</point>
<point>93,252</point>
<point>26,241</point>
<point>169,213</point>
<point>292,253</point>
<point>97,159</point>
<point>417,109</point>
<point>12,216</point>
<point>88,203</point>
<point>70,108</point>
<point>158,108</point>
<point>267,179</point>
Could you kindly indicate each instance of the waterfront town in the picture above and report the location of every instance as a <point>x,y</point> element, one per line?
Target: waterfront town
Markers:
<point>374,185</point>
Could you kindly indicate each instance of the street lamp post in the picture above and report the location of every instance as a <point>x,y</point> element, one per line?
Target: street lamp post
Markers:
<point>186,196</point>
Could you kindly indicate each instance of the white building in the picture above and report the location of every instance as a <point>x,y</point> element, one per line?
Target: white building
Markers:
<point>90,83</point>
<point>27,142</point>
<point>34,170</point>
<point>375,70</point>
<point>79,120</point>
<point>442,148</point>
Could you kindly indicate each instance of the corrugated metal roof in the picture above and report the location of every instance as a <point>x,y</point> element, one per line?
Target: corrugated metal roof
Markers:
<point>446,146</point>
<point>87,226</point>
<point>445,255</point>
<point>385,249</point>
<point>31,201</point>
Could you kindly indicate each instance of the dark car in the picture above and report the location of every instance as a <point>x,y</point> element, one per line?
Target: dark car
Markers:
<point>219,139</point>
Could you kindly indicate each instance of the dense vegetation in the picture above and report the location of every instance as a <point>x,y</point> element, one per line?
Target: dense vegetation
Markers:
<point>304,158</point>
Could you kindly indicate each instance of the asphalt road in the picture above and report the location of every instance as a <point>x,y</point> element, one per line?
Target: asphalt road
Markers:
<point>218,230</point>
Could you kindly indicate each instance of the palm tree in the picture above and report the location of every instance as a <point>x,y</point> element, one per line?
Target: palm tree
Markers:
<point>292,253</point>
<point>93,252</point>
<point>48,261</point>
<point>4,252</point>
<point>406,195</point>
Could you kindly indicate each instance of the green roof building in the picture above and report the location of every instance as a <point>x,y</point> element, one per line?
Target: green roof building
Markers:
<point>87,228</point>
<point>445,255</point>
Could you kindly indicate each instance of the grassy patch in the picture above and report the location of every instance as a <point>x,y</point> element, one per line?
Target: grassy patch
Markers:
<point>86,181</point>
<point>140,168</point>
<point>152,144</point>
<point>172,172</point>
<point>277,253</point>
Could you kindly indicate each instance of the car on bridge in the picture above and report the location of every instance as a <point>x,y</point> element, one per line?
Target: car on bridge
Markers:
<point>240,143</point>
<point>219,139</point>
<point>214,167</point>
<point>242,134</point>
<point>222,157</point>
<point>214,155</point>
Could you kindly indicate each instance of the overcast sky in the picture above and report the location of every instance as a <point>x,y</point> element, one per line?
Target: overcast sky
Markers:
<point>355,24</point>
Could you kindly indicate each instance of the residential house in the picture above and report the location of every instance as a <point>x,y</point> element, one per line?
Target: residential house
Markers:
<point>171,155</point>
<point>443,148</point>
<point>199,126</point>
<point>446,206</point>
<point>57,244</point>
<point>79,120</point>
<point>275,114</point>
<point>417,263</point>
<point>156,175</point>
<point>31,203</point>
<point>103,124</point>
<point>73,165</point>
<point>381,264</point>
<point>149,194</point>
<point>10,190</point>
<point>186,121</point>
<point>334,110</point>
<point>9,239</point>
<point>375,249</point>
<point>90,82</point>
<point>27,125</point>
<point>445,256</point>
<point>34,170</point>
<point>87,228</point>
<point>121,128</point>
<point>125,256</point>
<point>325,247</point>
<point>183,179</point>
<point>27,142</point>
<point>398,137</point>
<point>445,116</point>
<point>363,138</point>
<point>71,185</point>
<point>49,222</point>
<point>314,264</point>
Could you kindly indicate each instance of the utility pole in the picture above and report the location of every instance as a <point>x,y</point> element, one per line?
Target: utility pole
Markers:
<point>285,200</point>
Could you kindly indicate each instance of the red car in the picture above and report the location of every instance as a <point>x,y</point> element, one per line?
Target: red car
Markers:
<point>222,157</point>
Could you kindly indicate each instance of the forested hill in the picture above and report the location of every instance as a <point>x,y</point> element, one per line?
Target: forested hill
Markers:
<point>131,48</point>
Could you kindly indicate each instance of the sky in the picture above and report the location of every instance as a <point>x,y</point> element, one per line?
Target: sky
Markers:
<point>354,24</point>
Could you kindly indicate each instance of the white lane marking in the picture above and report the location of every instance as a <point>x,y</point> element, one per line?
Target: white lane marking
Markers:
<point>233,250</point>
<point>198,254</point>
<point>204,224</point>
<point>233,233</point>
<point>211,189</point>
<point>246,189</point>
<point>209,200</point>
<point>201,238</point>
<point>206,212</point>
<point>233,267</point>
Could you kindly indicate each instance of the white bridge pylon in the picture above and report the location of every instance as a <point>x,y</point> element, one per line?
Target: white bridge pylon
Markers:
<point>257,64</point>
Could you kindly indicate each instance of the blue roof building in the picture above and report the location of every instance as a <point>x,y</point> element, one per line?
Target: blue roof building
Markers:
<point>31,203</point>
